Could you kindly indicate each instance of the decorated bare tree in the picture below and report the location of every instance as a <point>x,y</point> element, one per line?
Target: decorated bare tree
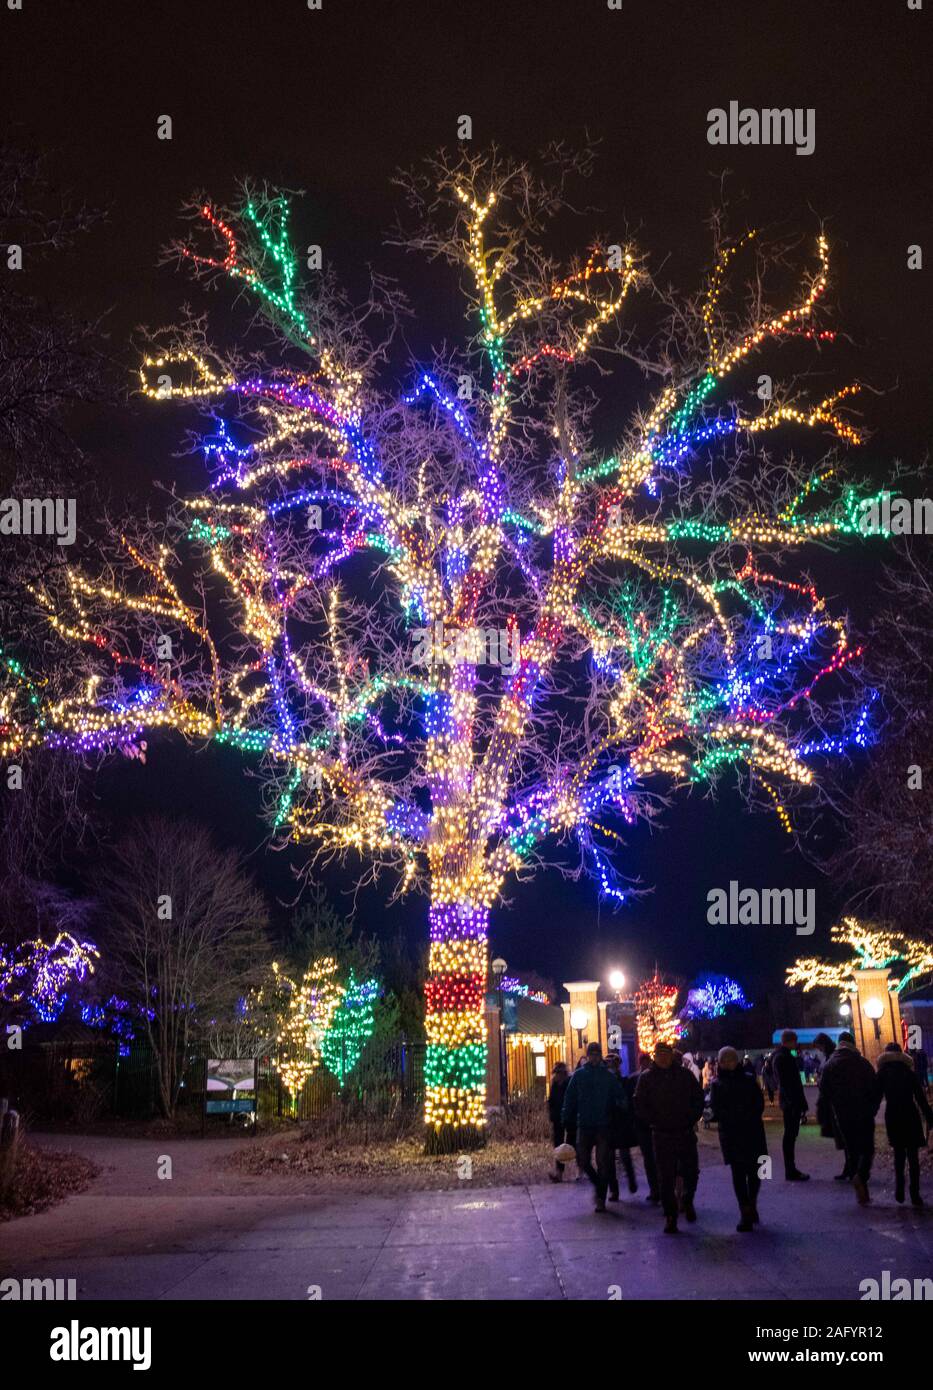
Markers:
<point>183,939</point>
<point>537,639</point>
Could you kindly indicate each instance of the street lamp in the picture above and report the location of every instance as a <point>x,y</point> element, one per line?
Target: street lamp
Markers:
<point>874,1009</point>
<point>579,1019</point>
<point>617,982</point>
<point>498,968</point>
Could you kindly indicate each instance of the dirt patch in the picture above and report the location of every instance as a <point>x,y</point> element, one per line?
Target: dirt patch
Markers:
<point>39,1179</point>
<point>402,1166</point>
<point>324,1164</point>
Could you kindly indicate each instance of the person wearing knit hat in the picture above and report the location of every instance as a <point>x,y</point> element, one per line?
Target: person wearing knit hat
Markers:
<point>669,1101</point>
<point>737,1103</point>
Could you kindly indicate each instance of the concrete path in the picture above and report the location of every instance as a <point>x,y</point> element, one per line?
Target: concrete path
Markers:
<point>211,1234</point>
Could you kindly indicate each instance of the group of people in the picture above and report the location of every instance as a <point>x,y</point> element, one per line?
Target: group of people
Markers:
<point>598,1112</point>
<point>850,1094</point>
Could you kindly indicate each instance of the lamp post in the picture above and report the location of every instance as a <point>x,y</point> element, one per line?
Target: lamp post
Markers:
<point>579,1019</point>
<point>875,1002</point>
<point>499,967</point>
<point>874,1009</point>
<point>617,983</point>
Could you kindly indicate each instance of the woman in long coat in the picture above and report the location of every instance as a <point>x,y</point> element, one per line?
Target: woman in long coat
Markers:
<point>737,1103</point>
<point>905,1109</point>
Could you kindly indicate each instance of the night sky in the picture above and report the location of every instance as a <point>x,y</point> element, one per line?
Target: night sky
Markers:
<point>333,102</point>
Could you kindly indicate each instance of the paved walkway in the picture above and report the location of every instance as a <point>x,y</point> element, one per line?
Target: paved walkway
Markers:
<point>209,1234</point>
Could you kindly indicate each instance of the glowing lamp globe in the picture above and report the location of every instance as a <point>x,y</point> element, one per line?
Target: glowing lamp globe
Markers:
<point>873,1008</point>
<point>616,980</point>
<point>579,1018</point>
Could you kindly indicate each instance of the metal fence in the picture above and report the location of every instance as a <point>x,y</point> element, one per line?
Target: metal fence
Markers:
<point>80,1082</point>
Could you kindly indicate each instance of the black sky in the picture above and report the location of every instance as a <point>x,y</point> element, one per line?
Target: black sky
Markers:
<point>335,101</point>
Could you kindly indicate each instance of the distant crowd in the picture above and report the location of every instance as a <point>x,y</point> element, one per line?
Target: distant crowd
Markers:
<point>598,1117</point>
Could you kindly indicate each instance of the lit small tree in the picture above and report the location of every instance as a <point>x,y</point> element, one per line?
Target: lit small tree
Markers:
<point>538,637</point>
<point>655,1019</point>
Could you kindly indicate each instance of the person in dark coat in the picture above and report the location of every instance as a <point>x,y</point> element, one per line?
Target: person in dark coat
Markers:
<point>593,1094</point>
<point>623,1132</point>
<point>768,1077</point>
<point>905,1108</point>
<point>560,1079</point>
<point>850,1084</point>
<point>737,1103</point>
<point>792,1100</point>
<point>643,1132</point>
<point>824,1115</point>
<point>669,1100</point>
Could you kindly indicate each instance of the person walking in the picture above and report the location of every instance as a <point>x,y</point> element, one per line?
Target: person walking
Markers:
<point>768,1077</point>
<point>824,1114</point>
<point>738,1104</point>
<point>792,1100</point>
<point>643,1132</point>
<point>850,1084</point>
<point>560,1080</point>
<point>623,1133</point>
<point>905,1108</point>
<point>669,1101</point>
<point>593,1095</point>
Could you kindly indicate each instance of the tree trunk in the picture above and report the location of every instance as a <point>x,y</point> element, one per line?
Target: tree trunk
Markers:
<point>455,1027</point>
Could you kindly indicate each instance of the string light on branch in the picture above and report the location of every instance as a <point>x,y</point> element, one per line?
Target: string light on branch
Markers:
<point>713,996</point>
<point>39,974</point>
<point>875,948</point>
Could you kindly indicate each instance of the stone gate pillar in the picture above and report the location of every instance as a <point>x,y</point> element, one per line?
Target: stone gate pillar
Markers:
<point>874,997</point>
<point>583,1001</point>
